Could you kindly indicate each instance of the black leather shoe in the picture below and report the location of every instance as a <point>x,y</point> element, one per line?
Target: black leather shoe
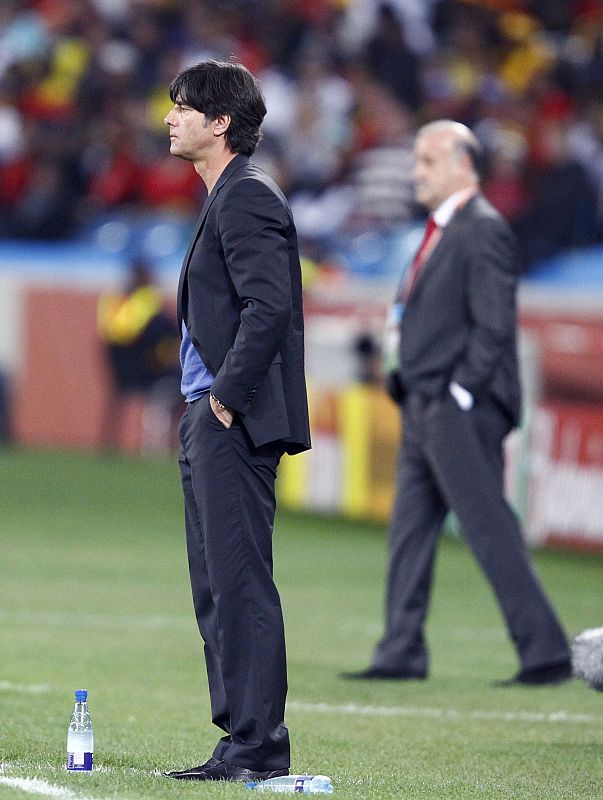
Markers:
<point>376,674</point>
<point>541,676</point>
<point>215,770</point>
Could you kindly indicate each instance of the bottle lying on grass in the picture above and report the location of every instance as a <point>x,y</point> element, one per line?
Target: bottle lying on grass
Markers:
<point>310,784</point>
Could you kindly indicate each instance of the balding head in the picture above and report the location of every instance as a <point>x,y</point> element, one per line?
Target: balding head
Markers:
<point>446,159</point>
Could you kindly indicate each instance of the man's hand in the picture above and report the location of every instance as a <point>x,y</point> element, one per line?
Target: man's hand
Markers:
<point>222,412</point>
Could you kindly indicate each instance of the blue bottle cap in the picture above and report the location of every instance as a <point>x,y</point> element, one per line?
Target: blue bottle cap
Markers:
<point>81,695</point>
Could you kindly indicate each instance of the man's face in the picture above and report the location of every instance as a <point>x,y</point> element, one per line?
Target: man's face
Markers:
<point>191,133</point>
<point>440,170</point>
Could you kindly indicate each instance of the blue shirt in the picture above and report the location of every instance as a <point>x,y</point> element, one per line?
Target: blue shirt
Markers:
<point>196,378</point>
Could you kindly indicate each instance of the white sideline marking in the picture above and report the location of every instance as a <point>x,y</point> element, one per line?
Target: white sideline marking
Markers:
<point>36,786</point>
<point>68,619</point>
<point>13,765</point>
<point>34,688</point>
<point>441,713</point>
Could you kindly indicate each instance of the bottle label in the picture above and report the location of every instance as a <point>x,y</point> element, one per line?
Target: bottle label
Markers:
<point>79,761</point>
<point>300,783</point>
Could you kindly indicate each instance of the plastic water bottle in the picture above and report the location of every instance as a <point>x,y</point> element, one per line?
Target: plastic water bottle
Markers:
<point>80,739</point>
<point>310,784</point>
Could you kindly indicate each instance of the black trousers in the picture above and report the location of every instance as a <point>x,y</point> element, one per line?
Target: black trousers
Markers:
<point>229,512</point>
<point>453,459</point>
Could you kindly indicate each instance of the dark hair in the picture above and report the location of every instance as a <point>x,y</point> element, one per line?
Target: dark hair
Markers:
<point>224,87</point>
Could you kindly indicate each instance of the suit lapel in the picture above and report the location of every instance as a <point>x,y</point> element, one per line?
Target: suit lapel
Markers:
<point>234,165</point>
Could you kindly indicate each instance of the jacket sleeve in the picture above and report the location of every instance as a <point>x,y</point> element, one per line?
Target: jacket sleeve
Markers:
<point>254,225</point>
<point>491,285</point>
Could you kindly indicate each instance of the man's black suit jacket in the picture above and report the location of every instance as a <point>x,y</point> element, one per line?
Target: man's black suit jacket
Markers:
<point>240,297</point>
<point>460,322</point>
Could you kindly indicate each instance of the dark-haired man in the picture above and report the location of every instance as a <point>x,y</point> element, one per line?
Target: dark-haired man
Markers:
<point>457,381</point>
<point>242,355</point>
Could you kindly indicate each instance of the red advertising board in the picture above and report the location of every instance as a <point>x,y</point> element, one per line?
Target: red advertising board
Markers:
<point>565,497</point>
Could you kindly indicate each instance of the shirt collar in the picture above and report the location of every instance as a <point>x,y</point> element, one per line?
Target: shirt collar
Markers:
<point>444,212</point>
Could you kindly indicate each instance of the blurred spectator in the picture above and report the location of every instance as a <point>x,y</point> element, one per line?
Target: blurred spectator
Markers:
<point>320,127</point>
<point>585,145</point>
<point>15,162</point>
<point>562,211</point>
<point>368,359</point>
<point>359,20</point>
<point>505,185</point>
<point>170,184</point>
<point>142,344</point>
<point>45,207</point>
<point>11,128</point>
<point>375,191</point>
<point>380,170</point>
<point>112,166</point>
<point>391,62</point>
<point>23,33</point>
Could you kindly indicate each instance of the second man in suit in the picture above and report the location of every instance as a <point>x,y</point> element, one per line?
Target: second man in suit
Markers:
<point>457,382</point>
<point>242,354</point>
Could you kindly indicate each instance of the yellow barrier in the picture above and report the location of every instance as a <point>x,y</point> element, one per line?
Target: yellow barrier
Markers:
<point>358,430</point>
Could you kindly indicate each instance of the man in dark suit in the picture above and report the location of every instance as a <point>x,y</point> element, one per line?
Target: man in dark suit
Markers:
<point>242,355</point>
<point>457,382</point>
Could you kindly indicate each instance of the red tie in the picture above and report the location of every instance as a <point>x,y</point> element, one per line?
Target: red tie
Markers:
<point>419,258</point>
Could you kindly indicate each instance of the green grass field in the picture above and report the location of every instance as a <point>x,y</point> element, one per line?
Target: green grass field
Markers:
<point>94,594</point>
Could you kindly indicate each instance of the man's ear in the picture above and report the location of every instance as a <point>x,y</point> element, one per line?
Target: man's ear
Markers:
<point>221,124</point>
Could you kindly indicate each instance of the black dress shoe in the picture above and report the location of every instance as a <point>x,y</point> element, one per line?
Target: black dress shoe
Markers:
<point>377,674</point>
<point>215,770</point>
<point>540,676</point>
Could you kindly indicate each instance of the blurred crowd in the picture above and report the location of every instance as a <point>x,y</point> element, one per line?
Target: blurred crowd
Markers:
<point>84,90</point>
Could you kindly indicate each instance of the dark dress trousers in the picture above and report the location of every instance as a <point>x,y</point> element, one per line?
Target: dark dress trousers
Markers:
<point>240,297</point>
<point>460,325</point>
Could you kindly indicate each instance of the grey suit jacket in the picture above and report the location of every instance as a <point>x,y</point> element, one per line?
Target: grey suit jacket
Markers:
<point>460,320</point>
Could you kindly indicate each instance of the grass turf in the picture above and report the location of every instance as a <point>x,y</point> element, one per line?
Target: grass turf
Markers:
<point>94,594</point>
